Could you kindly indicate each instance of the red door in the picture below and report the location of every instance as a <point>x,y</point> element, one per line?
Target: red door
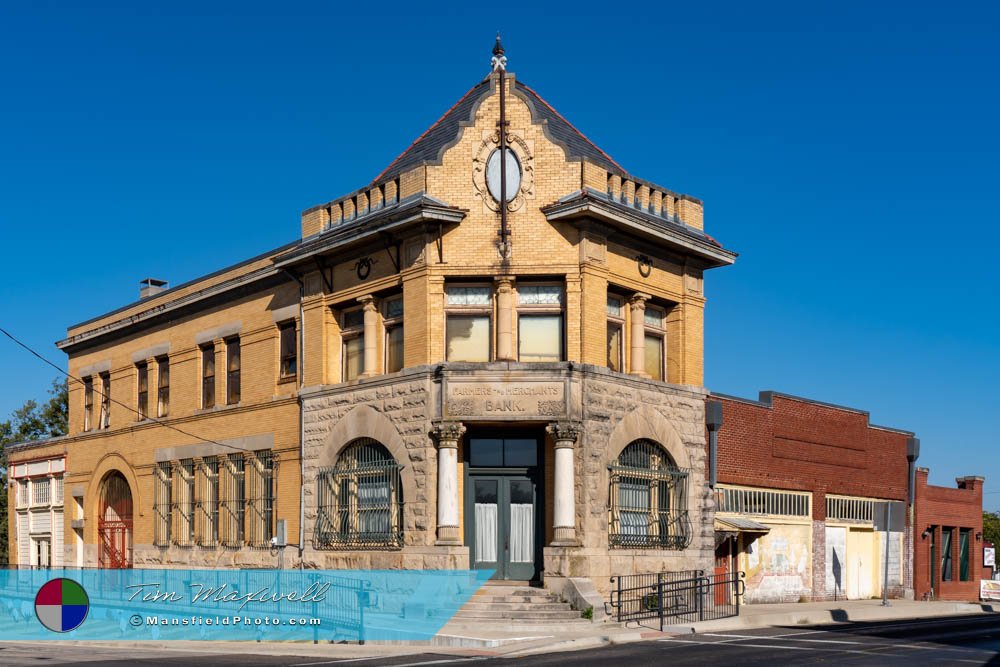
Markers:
<point>114,524</point>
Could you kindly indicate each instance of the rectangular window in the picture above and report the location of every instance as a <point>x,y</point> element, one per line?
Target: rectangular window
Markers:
<point>57,490</point>
<point>162,387</point>
<point>162,503</point>
<point>22,493</point>
<point>392,313</point>
<point>232,502</point>
<point>287,350</point>
<point>88,403</point>
<point>616,328</point>
<point>947,542</point>
<point>763,501</point>
<point>232,371</point>
<point>207,502</point>
<point>40,491</point>
<point>963,554</point>
<point>540,323</point>
<point>467,323</point>
<point>352,335</point>
<point>654,357</point>
<point>208,376</point>
<point>142,390</point>
<point>105,400</point>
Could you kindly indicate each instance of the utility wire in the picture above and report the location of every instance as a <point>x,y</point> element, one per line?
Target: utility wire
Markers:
<point>111,400</point>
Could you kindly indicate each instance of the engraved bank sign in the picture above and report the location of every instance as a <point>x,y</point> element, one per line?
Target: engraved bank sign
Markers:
<point>503,399</point>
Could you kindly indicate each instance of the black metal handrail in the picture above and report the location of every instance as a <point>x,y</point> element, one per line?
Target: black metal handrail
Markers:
<point>676,597</point>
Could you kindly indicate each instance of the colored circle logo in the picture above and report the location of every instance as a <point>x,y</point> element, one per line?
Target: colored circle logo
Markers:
<point>61,605</point>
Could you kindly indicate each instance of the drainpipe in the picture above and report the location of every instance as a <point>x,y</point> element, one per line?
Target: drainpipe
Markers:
<point>302,416</point>
<point>713,420</point>
<point>912,454</point>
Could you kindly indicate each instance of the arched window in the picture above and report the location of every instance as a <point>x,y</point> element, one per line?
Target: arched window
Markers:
<point>360,499</point>
<point>648,499</point>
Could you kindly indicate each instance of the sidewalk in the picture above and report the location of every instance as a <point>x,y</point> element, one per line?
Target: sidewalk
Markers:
<point>465,640</point>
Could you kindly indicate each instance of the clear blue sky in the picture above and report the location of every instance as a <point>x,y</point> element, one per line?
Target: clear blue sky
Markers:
<point>849,151</point>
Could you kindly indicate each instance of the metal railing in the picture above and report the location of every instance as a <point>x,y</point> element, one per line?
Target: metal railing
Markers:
<point>676,597</point>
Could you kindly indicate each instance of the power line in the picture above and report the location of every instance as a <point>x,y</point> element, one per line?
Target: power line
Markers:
<point>111,400</point>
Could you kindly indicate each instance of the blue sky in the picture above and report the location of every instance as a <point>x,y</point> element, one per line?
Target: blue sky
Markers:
<point>849,152</point>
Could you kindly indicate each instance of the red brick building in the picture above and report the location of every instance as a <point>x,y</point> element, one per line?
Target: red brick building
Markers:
<point>799,484</point>
<point>948,532</point>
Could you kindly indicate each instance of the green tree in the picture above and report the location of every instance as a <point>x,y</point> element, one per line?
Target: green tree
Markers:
<point>31,421</point>
<point>991,528</point>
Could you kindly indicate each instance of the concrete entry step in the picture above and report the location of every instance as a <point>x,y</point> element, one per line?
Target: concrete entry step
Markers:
<point>517,603</point>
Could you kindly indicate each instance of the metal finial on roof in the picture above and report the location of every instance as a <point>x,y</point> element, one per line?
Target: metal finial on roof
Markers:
<point>499,60</point>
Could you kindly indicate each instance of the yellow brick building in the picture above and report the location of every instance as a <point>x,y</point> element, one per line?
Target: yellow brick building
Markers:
<point>425,379</point>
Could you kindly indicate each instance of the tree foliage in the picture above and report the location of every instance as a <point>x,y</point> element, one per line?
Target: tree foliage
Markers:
<point>31,421</point>
<point>991,528</point>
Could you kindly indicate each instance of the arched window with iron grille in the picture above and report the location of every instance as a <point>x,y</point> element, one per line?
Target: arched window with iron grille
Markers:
<point>360,500</point>
<point>648,499</point>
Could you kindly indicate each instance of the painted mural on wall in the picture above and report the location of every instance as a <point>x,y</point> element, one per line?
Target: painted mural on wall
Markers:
<point>779,567</point>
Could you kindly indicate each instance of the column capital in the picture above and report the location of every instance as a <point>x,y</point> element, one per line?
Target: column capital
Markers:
<point>368,301</point>
<point>565,434</point>
<point>448,433</point>
<point>638,300</point>
<point>504,283</point>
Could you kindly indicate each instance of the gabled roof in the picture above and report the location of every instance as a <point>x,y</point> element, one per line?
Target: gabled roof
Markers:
<point>430,146</point>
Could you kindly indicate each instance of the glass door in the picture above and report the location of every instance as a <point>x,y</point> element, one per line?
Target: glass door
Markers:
<point>504,523</point>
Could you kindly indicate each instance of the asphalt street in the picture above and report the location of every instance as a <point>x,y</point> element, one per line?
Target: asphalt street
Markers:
<point>971,640</point>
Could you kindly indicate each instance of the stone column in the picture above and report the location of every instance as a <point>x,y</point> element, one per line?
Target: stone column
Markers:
<point>565,435</point>
<point>637,313</point>
<point>448,434</point>
<point>505,319</point>
<point>371,335</point>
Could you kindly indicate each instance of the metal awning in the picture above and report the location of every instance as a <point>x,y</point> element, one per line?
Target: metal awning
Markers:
<point>731,526</point>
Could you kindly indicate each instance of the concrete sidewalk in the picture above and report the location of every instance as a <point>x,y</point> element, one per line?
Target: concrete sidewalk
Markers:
<point>464,640</point>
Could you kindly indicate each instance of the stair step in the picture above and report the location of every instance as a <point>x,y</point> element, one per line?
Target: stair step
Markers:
<point>566,614</point>
<point>515,606</point>
<point>522,599</point>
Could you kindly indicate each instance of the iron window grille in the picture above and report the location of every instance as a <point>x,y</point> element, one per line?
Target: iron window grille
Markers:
<point>258,479</point>
<point>207,503</point>
<point>184,503</point>
<point>162,503</point>
<point>360,500</point>
<point>648,499</point>
<point>232,504</point>
<point>40,491</point>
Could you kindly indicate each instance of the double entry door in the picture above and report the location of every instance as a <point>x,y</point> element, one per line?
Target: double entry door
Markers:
<point>502,507</point>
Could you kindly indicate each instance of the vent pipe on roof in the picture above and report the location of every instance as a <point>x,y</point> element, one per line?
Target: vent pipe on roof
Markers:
<point>150,287</point>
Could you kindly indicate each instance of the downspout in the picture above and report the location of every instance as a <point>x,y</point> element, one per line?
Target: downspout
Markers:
<point>302,416</point>
<point>912,454</point>
<point>713,420</point>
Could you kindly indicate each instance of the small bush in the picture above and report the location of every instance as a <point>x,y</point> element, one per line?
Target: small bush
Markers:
<point>588,613</point>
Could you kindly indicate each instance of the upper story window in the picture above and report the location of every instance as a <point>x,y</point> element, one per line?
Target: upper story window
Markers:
<point>540,322</point>
<point>142,389</point>
<point>208,376</point>
<point>655,321</point>
<point>22,493</point>
<point>392,320</point>
<point>232,371</point>
<point>162,386</point>
<point>40,491</point>
<point>352,335</point>
<point>616,333</point>
<point>105,421</point>
<point>88,403</point>
<point>467,323</point>
<point>288,350</point>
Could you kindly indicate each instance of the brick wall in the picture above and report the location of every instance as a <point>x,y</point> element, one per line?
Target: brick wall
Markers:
<point>938,508</point>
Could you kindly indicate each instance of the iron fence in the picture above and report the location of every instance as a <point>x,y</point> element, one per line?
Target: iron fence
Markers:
<point>676,597</point>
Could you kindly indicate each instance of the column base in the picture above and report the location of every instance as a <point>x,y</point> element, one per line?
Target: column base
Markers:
<point>564,536</point>
<point>448,536</point>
